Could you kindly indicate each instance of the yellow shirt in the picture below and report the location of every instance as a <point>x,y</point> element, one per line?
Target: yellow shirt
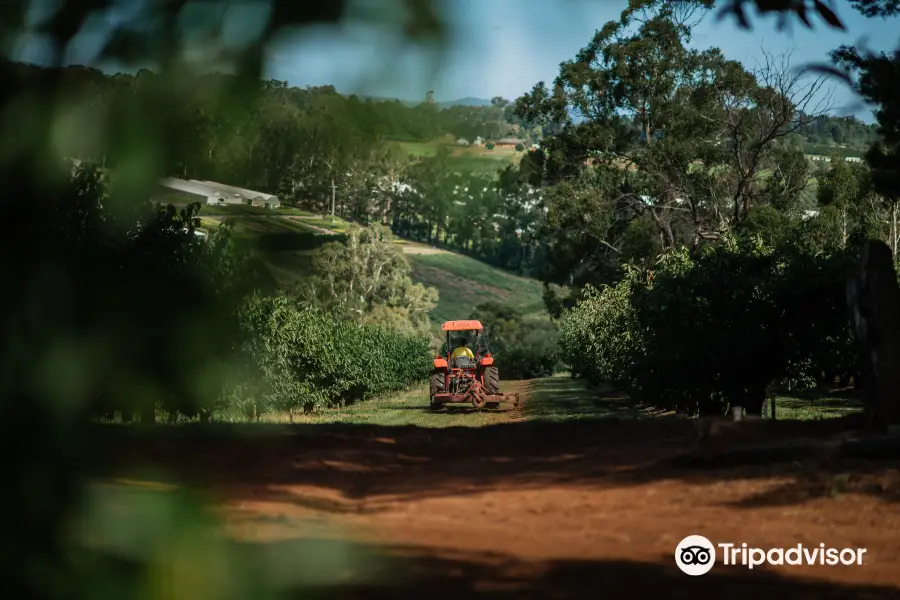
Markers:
<point>461,351</point>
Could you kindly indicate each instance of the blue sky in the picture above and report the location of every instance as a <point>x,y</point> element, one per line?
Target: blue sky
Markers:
<point>503,47</point>
<point>500,48</point>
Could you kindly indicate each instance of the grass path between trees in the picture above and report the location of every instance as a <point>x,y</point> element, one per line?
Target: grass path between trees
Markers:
<point>552,399</point>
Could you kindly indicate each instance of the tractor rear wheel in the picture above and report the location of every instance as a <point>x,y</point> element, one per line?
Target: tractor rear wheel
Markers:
<point>492,380</point>
<point>436,386</point>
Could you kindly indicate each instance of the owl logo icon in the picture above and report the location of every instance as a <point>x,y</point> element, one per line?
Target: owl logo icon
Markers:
<point>695,555</point>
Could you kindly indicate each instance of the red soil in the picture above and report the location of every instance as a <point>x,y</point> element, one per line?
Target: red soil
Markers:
<point>523,510</point>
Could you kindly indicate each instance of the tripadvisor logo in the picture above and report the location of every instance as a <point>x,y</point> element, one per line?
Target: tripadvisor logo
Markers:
<point>696,555</point>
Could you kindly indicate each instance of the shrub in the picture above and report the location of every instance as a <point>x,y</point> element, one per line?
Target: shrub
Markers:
<point>524,348</point>
<point>600,337</point>
<point>301,357</point>
<point>489,145</point>
<point>519,147</point>
<point>715,328</point>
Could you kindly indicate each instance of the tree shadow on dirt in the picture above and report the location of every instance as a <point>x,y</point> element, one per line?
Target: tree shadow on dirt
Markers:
<point>411,463</point>
<point>584,438</point>
<point>410,572</point>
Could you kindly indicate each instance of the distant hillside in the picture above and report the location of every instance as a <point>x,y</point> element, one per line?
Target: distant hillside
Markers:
<point>464,282</point>
<point>467,101</point>
<point>282,241</point>
<point>840,134</point>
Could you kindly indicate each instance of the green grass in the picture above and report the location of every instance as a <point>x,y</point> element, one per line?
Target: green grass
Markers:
<point>791,408</point>
<point>558,398</point>
<point>404,408</point>
<point>245,210</point>
<point>419,149</point>
<point>825,150</point>
<point>466,159</point>
<point>464,282</point>
<point>482,165</point>
<point>337,224</point>
<point>255,231</point>
<point>561,398</point>
<point>284,245</point>
<point>550,399</point>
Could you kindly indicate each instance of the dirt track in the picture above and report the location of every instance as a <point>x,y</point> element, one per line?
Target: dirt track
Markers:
<point>543,510</point>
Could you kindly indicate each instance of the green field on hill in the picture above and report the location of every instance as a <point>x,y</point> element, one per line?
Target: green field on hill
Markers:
<point>824,150</point>
<point>463,283</point>
<point>471,159</point>
<point>284,243</point>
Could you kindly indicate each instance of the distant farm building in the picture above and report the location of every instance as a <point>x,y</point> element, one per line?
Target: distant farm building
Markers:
<point>462,142</point>
<point>823,158</point>
<point>171,188</point>
<point>249,196</point>
<point>212,193</point>
<point>510,143</point>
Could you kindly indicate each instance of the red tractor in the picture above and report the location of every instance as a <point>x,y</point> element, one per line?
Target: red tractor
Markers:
<point>462,380</point>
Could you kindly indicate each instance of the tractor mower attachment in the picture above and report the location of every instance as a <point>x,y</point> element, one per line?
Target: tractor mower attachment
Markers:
<point>461,380</point>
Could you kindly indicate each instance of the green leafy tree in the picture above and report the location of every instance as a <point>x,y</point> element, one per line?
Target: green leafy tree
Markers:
<point>524,348</point>
<point>367,279</point>
<point>884,160</point>
<point>843,190</point>
<point>668,134</point>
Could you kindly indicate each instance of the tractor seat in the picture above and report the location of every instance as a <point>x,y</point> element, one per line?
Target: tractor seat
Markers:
<point>464,362</point>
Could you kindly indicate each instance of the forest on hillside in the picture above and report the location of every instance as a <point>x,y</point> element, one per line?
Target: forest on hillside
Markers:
<point>315,147</point>
<point>845,132</point>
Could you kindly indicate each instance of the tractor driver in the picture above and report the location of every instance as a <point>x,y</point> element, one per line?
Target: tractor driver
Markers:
<point>462,350</point>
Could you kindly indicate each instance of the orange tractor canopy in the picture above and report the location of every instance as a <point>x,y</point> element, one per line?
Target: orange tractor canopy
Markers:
<point>461,377</point>
<point>462,326</point>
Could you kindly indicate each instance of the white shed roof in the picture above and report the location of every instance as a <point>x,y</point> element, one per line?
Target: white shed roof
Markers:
<point>248,194</point>
<point>189,187</point>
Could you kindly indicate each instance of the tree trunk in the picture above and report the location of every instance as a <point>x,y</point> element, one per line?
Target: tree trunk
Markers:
<point>844,235</point>
<point>894,230</point>
<point>665,230</point>
<point>874,297</point>
<point>756,397</point>
<point>751,399</point>
<point>333,196</point>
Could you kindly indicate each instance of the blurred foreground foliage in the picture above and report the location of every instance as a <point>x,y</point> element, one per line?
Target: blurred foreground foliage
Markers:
<point>117,305</point>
